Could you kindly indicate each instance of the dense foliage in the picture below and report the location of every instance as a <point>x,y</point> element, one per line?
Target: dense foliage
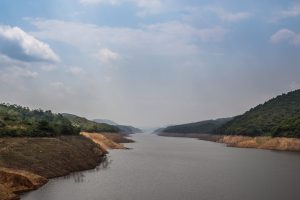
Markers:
<point>21,121</point>
<point>208,126</point>
<point>90,126</point>
<point>279,116</point>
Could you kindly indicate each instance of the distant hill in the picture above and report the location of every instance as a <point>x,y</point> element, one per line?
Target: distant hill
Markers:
<point>123,128</point>
<point>129,129</point>
<point>208,126</point>
<point>21,121</point>
<point>90,126</point>
<point>279,116</point>
<point>106,121</point>
<point>159,130</point>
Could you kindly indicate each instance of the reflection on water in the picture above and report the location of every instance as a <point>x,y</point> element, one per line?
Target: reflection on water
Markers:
<point>79,177</point>
<point>105,163</point>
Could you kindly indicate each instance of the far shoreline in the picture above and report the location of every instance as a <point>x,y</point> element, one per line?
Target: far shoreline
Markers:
<point>259,142</point>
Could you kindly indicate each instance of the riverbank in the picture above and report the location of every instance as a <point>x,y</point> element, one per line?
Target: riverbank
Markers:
<point>27,163</point>
<point>261,142</point>
<point>105,141</point>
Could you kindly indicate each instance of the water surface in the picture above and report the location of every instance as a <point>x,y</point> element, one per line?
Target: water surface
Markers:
<point>163,168</point>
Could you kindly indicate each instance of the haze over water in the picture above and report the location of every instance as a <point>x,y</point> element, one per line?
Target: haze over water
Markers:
<point>181,168</point>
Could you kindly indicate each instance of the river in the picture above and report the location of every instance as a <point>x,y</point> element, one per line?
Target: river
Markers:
<point>164,168</point>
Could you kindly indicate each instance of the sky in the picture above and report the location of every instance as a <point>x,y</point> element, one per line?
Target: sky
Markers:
<point>148,63</point>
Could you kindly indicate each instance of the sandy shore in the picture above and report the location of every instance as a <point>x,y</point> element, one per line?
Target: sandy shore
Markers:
<point>103,141</point>
<point>271,143</point>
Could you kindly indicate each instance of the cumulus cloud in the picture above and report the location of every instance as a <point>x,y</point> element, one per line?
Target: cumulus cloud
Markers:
<point>106,55</point>
<point>286,35</point>
<point>17,44</point>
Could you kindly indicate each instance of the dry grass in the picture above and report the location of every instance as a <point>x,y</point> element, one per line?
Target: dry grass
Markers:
<point>103,141</point>
<point>25,161</point>
<point>49,157</point>
<point>117,137</point>
<point>263,142</point>
<point>277,143</point>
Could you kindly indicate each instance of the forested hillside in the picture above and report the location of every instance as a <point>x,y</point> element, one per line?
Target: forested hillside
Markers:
<point>90,126</point>
<point>208,126</point>
<point>21,121</point>
<point>123,128</point>
<point>279,116</point>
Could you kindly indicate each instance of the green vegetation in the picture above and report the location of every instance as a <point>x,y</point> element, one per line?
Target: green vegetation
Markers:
<point>90,126</point>
<point>278,117</point>
<point>129,129</point>
<point>21,121</point>
<point>123,129</point>
<point>208,126</point>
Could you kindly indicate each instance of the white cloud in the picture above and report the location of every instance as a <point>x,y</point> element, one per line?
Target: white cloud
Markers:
<point>229,16</point>
<point>282,35</point>
<point>95,2</point>
<point>292,11</point>
<point>147,7</point>
<point>184,31</point>
<point>14,73</point>
<point>12,70</point>
<point>49,67</point>
<point>19,45</point>
<point>286,35</point>
<point>75,70</point>
<point>170,38</point>
<point>61,88</point>
<point>106,55</point>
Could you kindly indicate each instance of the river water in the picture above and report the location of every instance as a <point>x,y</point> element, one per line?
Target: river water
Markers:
<point>164,168</point>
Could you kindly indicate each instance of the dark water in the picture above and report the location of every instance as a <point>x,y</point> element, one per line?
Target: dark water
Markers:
<point>161,168</point>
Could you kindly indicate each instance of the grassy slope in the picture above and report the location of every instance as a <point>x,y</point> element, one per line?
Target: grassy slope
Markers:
<point>49,157</point>
<point>45,157</point>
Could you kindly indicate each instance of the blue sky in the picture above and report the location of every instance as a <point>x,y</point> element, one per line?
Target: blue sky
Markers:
<point>148,62</point>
